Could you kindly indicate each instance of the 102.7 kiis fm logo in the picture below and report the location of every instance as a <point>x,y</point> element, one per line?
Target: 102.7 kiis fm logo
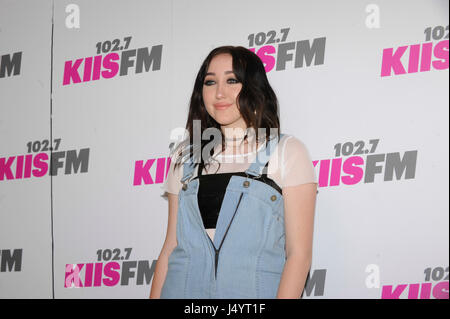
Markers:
<point>38,163</point>
<point>420,55</point>
<point>108,63</point>
<point>275,52</point>
<point>362,163</point>
<point>112,267</point>
<point>434,285</point>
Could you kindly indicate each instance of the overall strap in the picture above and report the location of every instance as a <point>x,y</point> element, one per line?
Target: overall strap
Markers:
<point>262,158</point>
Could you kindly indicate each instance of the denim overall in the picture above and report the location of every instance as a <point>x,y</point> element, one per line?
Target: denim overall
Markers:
<point>247,257</point>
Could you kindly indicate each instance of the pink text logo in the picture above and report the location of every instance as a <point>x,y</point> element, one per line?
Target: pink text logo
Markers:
<point>419,57</point>
<point>108,273</point>
<point>38,164</point>
<point>112,64</point>
<point>416,291</point>
<point>275,52</point>
<point>351,170</point>
<point>156,167</point>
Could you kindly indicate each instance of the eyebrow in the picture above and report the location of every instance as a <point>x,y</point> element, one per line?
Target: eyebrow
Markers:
<point>212,73</point>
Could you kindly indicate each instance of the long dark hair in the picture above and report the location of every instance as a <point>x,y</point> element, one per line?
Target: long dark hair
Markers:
<point>256,95</point>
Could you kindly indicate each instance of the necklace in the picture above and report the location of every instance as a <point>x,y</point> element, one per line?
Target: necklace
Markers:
<point>234,139</point>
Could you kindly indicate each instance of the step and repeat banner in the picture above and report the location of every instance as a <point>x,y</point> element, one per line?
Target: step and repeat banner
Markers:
<point>92,93</point>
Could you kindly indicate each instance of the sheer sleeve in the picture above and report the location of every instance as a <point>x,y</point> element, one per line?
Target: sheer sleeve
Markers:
<point>172,183</point>
<point>297,165</point>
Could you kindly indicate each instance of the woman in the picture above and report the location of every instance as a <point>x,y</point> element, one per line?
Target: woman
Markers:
<point>240,215</point>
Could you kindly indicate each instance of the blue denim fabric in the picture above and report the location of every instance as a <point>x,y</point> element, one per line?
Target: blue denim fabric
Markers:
<point>247,257</point>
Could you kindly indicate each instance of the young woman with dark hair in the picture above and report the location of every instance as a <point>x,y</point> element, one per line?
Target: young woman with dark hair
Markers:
<point>241,208</point>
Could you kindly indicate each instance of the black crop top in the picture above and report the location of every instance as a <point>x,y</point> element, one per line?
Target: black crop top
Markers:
<point>212,189</point>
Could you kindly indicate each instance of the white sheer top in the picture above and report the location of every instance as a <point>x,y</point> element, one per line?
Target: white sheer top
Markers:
<point>290,164</point>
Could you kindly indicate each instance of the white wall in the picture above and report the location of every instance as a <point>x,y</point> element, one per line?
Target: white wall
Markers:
<point>368,235</point>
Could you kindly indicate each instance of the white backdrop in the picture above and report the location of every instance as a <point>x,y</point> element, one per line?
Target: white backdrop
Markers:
<point>364,84</point>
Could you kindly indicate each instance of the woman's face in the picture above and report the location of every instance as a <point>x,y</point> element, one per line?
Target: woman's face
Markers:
<point>220,90</point>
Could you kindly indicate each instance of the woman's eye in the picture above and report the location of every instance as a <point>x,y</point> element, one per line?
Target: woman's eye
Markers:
<point>211,82</point>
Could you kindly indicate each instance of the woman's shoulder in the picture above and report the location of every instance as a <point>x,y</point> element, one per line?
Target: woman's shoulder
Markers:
<point>291,145</point>
<point>287,148</point>
<point>291,163</point>
<point>175,171</point>
<point>297,165</point>
<point>179,151</point>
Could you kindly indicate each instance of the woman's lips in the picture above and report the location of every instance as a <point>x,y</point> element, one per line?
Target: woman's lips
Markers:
<point>221,106</point>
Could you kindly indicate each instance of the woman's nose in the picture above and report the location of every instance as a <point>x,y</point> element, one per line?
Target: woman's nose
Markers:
<point>219,91</point>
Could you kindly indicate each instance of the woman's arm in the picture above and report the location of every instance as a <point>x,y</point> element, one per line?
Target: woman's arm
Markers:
<point>169,244</point>
<point>299,206</point>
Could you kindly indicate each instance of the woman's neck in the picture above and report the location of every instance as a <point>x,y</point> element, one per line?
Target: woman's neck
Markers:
<point>234,134</point>
<point>239,141</point>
